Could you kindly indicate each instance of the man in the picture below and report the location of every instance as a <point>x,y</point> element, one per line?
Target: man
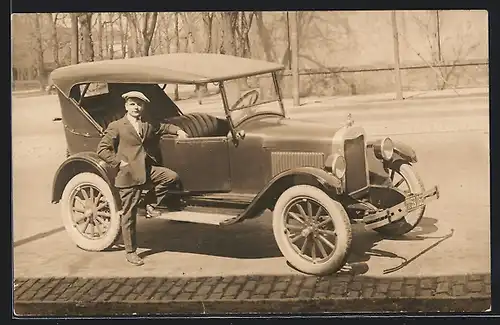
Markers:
<point>128,144</point>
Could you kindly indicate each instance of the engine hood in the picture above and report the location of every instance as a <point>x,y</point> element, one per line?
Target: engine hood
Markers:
<point>278,133</point>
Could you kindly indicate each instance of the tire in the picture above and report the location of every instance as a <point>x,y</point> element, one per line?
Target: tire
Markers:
<point>200,125</point>
<point>106,219</point>
<point>410,221</point>
<point>296,253</point>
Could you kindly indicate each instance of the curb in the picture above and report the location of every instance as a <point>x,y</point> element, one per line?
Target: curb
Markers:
<point>271,306</point>
<point>248,293</point>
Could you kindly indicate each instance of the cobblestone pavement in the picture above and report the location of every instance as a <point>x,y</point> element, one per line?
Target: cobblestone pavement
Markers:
<point>345,293</point>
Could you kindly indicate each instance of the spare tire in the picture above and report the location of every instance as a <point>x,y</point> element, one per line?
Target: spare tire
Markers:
<point>198,125</point>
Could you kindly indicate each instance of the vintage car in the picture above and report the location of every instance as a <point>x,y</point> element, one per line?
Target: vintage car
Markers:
<point>243,156</point>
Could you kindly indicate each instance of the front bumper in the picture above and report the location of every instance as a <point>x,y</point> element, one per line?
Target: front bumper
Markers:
<point>378,218</point>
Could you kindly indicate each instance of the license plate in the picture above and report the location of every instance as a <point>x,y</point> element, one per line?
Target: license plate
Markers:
<point>414,202</point>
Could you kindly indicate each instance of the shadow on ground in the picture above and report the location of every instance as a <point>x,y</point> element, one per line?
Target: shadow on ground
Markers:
<point>254,239</point>
<point>365,242</point>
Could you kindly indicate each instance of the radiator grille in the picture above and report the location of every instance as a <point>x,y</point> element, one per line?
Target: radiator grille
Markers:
<point>282,161</point>
<point>356,164</point>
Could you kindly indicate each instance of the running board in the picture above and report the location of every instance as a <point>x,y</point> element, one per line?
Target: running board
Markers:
<point>196,217</point>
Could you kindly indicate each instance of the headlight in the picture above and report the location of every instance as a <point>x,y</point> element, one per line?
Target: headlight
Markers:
<point>338,166</point>
<point>384,149</point>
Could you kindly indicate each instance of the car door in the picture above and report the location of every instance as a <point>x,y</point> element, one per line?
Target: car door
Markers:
<point>202,163</point>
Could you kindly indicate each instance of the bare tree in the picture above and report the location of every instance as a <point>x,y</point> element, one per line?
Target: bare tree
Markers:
<point>162,36</point>
<point>74,38</point>
<point>208,18</point>
<point>243,31</point>
<point>228,45</point>
<point>193,43</point>
<point>87,46</point>
<point>429,27</point>
<point>148,30</point>
<point>123,34</point>
<point>38,47</point>
<point>100,36</point>
<point>176,90</point>
<point>133,41</point>
<point>142,28</point>
<point>265,38</point>
<point>111,34</point>
<point>54,39</point>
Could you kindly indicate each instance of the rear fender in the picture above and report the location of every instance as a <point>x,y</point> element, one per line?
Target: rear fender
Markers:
<point>78,163</point>
<point>267,197</point>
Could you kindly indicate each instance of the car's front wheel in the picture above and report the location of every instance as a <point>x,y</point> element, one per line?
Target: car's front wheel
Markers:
<point>405,178</point>
<point>90,213</point>
<point>312,230</point>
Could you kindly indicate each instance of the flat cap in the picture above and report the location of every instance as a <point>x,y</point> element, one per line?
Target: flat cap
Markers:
<point>135,94</point>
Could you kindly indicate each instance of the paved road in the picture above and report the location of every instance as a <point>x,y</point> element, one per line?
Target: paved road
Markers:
<point>453,152</point>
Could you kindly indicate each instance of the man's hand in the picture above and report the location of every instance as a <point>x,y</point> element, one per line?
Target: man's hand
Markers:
<point>123,163</point>
<point>182,135</point>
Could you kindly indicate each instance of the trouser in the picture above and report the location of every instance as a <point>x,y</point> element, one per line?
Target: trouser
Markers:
<point>161,179</point>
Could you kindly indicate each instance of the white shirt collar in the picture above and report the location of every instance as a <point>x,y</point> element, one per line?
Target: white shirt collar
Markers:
<point>133,120</point>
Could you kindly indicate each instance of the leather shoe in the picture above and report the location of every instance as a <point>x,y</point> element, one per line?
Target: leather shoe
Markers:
<point>133,258</point>
<point>151,212</point>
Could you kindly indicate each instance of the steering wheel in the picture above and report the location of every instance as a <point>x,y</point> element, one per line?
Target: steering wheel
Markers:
<point>253,92</point>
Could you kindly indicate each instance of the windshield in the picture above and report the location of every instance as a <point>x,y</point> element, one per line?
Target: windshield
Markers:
<point>251,96</point>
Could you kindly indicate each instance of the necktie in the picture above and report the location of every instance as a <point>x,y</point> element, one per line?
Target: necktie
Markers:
<point>141,128</point>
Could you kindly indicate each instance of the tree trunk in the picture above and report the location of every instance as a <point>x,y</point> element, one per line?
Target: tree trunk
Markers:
<point>107,27</point>
<point>74,38</point>
<point>188,19</point>
<point>397,72</point>
<point>132,41</point>
<point>245,29</point>
<point>264,36</point>
<point>148,30</point>
<point>294,35</point>
<point>177,42</point>
<point>88,46</point>
<point>100,37</point>
<point>123,38</point>
<point>167,37</point>
<point>54,40</point>
<point>40,66</point>
<point>208,23</point>
<point>228,45</point>
<point>101,47</point>
<point>241,43</point>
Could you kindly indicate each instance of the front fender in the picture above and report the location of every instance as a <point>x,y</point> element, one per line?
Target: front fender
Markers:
<point>401,150</point>
<point>268,196</point>
<point>378,168</point>
<point>78,163</point>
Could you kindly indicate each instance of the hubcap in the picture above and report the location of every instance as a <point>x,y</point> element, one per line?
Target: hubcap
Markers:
<point>90,211</point>
<point>310,230</point>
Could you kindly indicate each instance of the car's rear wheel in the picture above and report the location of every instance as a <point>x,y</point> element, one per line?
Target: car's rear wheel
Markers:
<point>312,230</point>
<point>90,213</point>
<point>405,178</point>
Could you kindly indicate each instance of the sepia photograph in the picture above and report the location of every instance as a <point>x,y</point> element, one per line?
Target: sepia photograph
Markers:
<point>208,163</point>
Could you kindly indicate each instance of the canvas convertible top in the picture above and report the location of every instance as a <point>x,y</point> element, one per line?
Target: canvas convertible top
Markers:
<point>179,68</point>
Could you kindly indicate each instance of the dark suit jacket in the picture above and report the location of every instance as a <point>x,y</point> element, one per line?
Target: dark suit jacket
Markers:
<point>121,142</point>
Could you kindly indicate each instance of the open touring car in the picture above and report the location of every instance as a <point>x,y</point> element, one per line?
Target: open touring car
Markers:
<point>242,158</point>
